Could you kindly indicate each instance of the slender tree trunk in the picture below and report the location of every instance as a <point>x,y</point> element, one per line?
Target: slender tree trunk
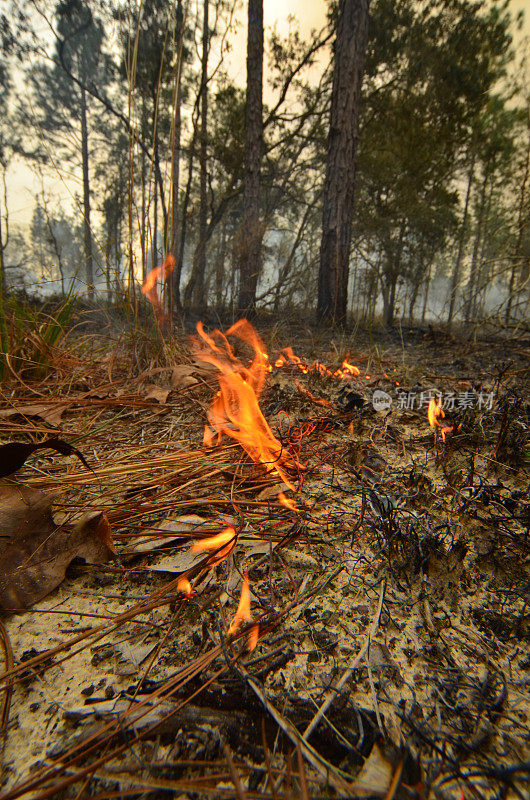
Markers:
<point>195,289</point>
<point>350,48</point>
<point>143,226</point>
<point>469,312</point>
<point>251,233</point>
<point>426,295</point>
<point>3,243</point>
<point>89,266</point>
<point>154,243</point>
<point>455,278</point>
<point>520,232</point>
<point>173,240</point>
<point>219,267</point>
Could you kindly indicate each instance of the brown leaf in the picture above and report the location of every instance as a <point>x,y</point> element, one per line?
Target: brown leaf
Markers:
<point>49,413</point>
<point>170,529</point>
<point>158,393</point>
<point>35,552</point>
<point>183,376</point>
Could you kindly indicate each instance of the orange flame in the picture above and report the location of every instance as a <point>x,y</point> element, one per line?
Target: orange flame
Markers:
<point>287,502</point>
<point>434,412</point>
<point>287,357</point>
<point>150,290</point>
<point>184,586</point>
<point>226,540</point>
<point>235,410</point>
<point>346,369</point>
<point>244,614</point>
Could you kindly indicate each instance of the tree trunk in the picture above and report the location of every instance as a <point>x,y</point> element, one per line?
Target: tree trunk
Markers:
<point>350,48</point>
<point>455,278</point>
<point>426,295</point>
<point>86,198</point>
<point>251,233</point>
<point>195,289</point>
<point>143,227</point>
<point>3,244</point>
<point>173,241</point>
<point>520,232</point>
<point>469,312</point>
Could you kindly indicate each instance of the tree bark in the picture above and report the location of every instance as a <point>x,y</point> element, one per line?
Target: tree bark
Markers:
<point>519,240</point>
<point>173,242</point>
<point>455,278</point>
<point>195,289</point>
<point>350,49</point>
<point>470,302</point>
<point>251,233</point>
<point>3,243</point>
<point>89,266</point>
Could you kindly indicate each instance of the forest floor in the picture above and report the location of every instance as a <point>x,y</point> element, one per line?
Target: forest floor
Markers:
<point>391,593</point>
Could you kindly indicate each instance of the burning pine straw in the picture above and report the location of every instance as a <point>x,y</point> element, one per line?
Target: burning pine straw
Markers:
<point>267,576</point>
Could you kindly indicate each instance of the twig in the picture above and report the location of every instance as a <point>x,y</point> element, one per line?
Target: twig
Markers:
<point>348,672</point>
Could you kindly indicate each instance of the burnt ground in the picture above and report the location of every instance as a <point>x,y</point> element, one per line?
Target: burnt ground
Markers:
<point>394,597</point>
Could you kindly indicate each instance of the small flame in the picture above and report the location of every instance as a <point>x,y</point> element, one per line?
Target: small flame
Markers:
<point>435,412</point>
<point>243,613</point>
<point>287,502</point>
<point>235,410</point>
<point>149,288</point>
<point>226,540</point>
<point>184,586</point>
<point>287,357</point>
<point>346,369</point>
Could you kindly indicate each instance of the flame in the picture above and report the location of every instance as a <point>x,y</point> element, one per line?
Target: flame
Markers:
<point>288,358</point>
<point>184,586</point>
<point>287,502</point>
<point>226,540</point>
<point>346,369</point>
<point>434,412</point>
<point>244,614</point>
<point>150,290</point>
<point>235,410</point>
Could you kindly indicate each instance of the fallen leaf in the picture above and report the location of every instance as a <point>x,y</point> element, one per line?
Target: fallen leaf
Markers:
<point>169,530</point>
<point>271,492</point>
<point>183,376</point>
<point>35,552</point>
<point>375,776</point>
<point>49,413</point>
<point>158,393</point>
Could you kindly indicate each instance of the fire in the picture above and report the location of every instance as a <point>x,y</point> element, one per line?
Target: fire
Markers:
<point>184,586</point>
<point>346,369</point>
<point>226,540</point>
<point>149,288</point>
<point>287,502</point>
<point>288,358</point>
<point>244,614</point>
<point>435,413</point>
<point>235,410</point>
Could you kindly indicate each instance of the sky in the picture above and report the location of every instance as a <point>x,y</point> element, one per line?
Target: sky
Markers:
<point>311,14</point>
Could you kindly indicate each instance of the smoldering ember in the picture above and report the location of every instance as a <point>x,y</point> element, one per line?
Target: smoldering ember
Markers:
<point>264,400</point>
